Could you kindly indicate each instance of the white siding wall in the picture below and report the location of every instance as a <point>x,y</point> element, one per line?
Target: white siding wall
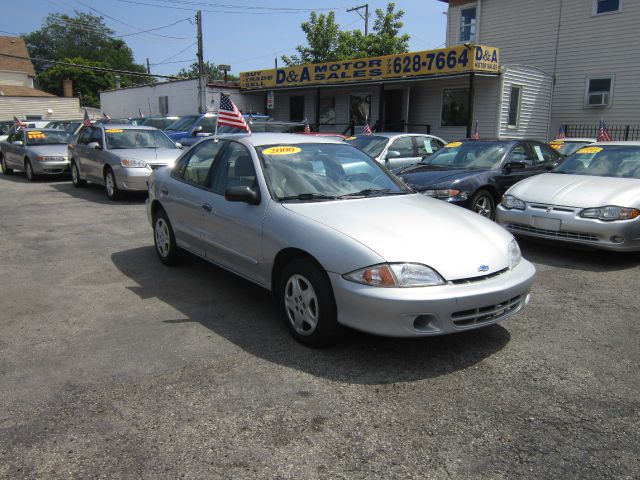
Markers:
<point>15,78</point>
<point>62,108</point>
<point>535,102</point>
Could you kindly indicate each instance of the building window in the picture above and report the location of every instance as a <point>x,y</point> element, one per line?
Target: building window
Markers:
<point>468,24</point>
<point>296,108</point>
<point>455,107</point>
<point>514,106</point>
<point>598,92</point>
<point>163,104</point>
<point>606,6</point>
<point>328,111</point>
<point>359,109</point>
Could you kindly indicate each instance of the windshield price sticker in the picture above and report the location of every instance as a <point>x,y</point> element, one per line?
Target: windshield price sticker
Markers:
<point>282,150</point>
<point>114,130</point>
<point>556,146</point>
<point>589,150</point>
<point>31,135</point>
<point>351,138</point>
<point>453,145</point>
<point>556,142</point>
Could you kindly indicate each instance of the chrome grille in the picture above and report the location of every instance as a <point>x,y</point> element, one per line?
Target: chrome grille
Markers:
<point>552,233</point>
<point>489,313</point>
<point>552,208</point>
<point>480,278</point>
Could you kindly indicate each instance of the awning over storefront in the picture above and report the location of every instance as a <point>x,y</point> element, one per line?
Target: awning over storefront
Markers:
<point>405,66</point>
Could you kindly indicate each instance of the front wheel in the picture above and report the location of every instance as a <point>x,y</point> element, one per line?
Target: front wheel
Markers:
<point>75,176</point>
<point>3,163</point>
<point>111,186</point>
<point>164,239</point>
<point>28,170</point>
<point>483,204</point>
<point>307,304</point>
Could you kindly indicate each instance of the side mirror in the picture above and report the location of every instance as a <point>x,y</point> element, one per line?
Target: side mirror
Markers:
<point>242,193</point>
<point>514,166</point>
<point>179,145</point>
<point>95,145</point>
<point>393,154</point>
<point>196,130</point>
<point>17,143</point>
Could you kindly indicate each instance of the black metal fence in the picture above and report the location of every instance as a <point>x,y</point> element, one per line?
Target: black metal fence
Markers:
<point>618,132</point>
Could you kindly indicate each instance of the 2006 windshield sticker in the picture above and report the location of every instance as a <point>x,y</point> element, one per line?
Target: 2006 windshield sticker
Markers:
<point>453,145</point>
<point>589,150</point>
<point>281,150</point>
<point>114,130</point>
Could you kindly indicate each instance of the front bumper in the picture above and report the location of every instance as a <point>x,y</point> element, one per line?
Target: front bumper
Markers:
<point>132,179</point>
<point>50,167</point>
<point>427,311</point>
<point>564,224</point>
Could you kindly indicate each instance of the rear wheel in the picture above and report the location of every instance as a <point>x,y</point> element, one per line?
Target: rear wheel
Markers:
<point>307,304</point>
<point>75,176</point>
<point>111,186</point>
<point>3,163</point>
<point>164,239</point>
<point>484,204</point>
<point>28,170</point>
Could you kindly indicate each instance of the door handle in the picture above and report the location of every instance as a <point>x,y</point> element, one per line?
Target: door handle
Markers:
<point>164,191</point>
<point>207,207</point>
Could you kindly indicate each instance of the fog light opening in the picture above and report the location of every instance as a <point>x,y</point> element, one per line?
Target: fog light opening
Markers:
<point>617,239</point>
<point>426,323</point>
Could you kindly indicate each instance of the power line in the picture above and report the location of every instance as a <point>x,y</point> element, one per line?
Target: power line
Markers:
<point>190,60</point>
<point>173,7</point>
<point>248,7</point>
<point>87,67</point>
<point>176,54</point>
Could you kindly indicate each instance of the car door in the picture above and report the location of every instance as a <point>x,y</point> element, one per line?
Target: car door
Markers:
<point>95,158</point>
<point>521,155</point>
<point>18,151</point>
<point>10,148</point>
<point>545,158</point>
<point>406,153</point>
<point>233,230</point>
<point>185,196</point>
<point>79,149</point>
<point>426,146</point>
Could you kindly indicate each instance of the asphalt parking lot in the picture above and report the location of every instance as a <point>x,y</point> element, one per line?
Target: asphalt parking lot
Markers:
<point>113,365</point>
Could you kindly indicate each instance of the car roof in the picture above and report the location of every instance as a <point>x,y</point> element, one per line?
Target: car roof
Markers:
<point>618,143</point>
<point>394,134</point>
<point>125,126</point>
<point>34,129</point>
<point>574,139</point>
<point>259,139</point>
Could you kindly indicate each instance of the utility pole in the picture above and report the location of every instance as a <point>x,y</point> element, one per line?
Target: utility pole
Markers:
<point>365,18</point>
<point>148,67</point>
<point>201,85</point>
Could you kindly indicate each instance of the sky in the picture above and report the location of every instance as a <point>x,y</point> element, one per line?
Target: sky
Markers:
<point>246,34</point>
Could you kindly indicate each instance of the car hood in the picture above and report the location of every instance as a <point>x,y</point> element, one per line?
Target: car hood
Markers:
<point>427,175</point>
<point>418,229</point>
<point>49,150</point>
<point>582,191</point>
<point>150,155</point>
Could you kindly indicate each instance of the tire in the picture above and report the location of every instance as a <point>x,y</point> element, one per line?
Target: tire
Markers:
<point>28,170</point>
<point>75,176</point>
<point>3,163</point>
<point>307,304</point>
<point>483,204</point>
<point>111,185</point>
<point>165,240</point>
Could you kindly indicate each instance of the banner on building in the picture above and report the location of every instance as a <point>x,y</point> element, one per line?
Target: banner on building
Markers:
<point>458,59</point>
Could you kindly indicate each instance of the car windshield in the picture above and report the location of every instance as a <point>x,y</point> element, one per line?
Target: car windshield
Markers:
<point>160,123</point>
<point>324,171</point>
<point>567,147</point>
<point>372,145</point>
<point>118,139</point>
<point>47,137</point>
<point>183,123</point>
<point>474,154</point>
<point>603,161</point>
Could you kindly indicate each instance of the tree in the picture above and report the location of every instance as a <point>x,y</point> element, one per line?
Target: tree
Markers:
<point>86,83</point>
<point>326,42</point>
<point>210,71</point>
<point>84,37</point>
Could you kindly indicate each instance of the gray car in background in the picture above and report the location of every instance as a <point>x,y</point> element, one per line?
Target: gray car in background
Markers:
<point>36,151</point>
<point>120,157</point>
<point>395,150</point>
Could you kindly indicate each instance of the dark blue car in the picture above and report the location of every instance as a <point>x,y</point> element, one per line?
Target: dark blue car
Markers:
<point>475,173</point>
<point>191,128</point>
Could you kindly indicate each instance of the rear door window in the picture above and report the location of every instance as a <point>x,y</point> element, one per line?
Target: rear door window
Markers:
<point>403,145</point>
<point>194,168</point>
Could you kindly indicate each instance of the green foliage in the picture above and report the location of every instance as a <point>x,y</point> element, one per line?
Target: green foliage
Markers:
<point>86,83</point>
<point>326,42</point>
<point>210,71</point>
<point>83,37</point>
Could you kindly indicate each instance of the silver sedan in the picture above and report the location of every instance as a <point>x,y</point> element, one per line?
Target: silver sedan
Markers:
<point>337,238</point>
<point>396,150</point>
<point>592,198</point>
<point>120,157</point>
<point>35,151</point>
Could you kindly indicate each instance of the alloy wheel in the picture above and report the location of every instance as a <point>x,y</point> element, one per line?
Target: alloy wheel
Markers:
<point>301,304</point>
<point>109,184</point>
<point>163,239</point>
<point>483,206</point>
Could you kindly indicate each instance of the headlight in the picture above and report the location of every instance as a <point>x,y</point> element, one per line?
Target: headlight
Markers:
<point>133,163</point>
<point>51,159</point>
<point>445,193</point>
<point>393,275</point>
<point>514,253</point>
<point>610,213</point>
<point>510,202</point>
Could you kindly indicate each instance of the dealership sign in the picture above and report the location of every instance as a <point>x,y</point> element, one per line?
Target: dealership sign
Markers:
<point>458,59</point>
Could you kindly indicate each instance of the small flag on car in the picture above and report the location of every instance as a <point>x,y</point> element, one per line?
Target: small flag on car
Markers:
<point>18,123</point>
<point>603,132</point>
<point>228,114</point>
<point>86,120</point>
<point>307,128</point>
<point>476,132</point>
<point>366,129</point>
<point>105,116</point>
<point>562,133</point>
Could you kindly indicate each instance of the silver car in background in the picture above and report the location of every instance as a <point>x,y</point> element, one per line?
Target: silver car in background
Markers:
<point>592,198</point>
<point>36,151</point>
<point>336,237</point>
<point>396,150</point>
<point>120,157</point>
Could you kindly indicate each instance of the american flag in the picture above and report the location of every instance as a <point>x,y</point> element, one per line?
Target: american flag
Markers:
<point>228,114</point>
<point>18,123</point>
<point>603,133</point>
<point>86,120</point>
<point>307,128</point>
<point>476,132</point>
<point>105,116</point>
<point>366,129</point>
<point>562,134</point>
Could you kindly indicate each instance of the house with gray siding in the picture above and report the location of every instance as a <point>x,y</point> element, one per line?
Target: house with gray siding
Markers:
<point>588,49</point>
